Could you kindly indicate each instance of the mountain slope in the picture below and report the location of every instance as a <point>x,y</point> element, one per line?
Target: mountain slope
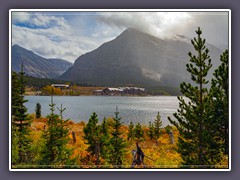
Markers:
<point>136,58</point>
<point>35,65</point>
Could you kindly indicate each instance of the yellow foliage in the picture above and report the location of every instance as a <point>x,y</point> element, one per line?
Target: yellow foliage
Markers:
<point>31,116</point>
<point>223,163</point>
<point>70,122</point>
<point>51,90</point>
<point>82,123</point>
<point>162,155</point>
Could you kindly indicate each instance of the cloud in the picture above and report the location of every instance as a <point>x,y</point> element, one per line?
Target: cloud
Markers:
<point>51,43</point>
<point>161,24</point>
<point>214,25</point>
<point>167,24</point>
<point>20,17</point>
<point>68,35</point>
<point>38,20</point>
<point>55,37</point>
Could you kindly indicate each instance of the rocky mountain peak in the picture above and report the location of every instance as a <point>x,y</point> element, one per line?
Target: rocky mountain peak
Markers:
<point>136,58</point>
<point>35,65</point>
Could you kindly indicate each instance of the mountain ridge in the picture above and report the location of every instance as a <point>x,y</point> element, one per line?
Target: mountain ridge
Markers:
<point>137,58</point>
<point>35,65</point>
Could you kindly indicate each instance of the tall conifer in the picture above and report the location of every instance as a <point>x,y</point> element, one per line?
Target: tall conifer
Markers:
<point>55,153</point>
<point>220,93</point>
<point>104,139</point>
<point>130,131</point>
<point>38,110</point>
<point>157,127</point>
<point>138,132</point>
<point>95,137</point>
<point>150,131</point>
<point>117,149</point>
<point>20,121</point>
<point>197,141</point>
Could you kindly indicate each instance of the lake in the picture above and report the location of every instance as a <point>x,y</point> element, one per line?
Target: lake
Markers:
<point>135,109</point>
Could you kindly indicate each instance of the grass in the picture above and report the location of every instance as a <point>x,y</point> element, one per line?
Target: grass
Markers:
<point>161,155</point>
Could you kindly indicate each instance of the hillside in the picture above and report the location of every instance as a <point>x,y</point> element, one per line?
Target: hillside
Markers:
<point>138,59</point>
<point>35,65</point>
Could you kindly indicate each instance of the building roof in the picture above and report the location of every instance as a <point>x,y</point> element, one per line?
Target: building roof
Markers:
<point>113,89</point>
<point>97,90</point>
<point>122,89</point>
<point>60,85</point>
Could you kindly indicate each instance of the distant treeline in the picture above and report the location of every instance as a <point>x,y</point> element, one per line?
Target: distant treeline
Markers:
<point>39,83</point>
<point>162,90</point>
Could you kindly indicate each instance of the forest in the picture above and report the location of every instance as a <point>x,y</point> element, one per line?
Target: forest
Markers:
<point>198,137</point>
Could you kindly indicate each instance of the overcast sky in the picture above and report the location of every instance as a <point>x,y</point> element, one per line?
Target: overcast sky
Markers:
<point>67,35</point>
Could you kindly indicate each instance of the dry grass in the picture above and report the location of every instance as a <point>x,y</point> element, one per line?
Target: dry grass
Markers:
<point>87,90</point>
<point>163,154</point>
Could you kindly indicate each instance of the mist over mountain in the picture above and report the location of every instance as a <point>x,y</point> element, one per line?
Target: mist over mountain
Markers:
<point>35,65</point>
<point>139,59</point>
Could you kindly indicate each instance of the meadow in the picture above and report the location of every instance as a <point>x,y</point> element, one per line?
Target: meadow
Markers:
<point>162,154</point>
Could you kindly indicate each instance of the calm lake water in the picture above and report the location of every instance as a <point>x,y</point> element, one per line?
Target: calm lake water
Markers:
<point>135,109</point>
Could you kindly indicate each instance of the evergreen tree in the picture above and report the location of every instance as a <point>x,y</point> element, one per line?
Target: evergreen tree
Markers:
<point>14,109</point>
<point>130,131</point>
<point>220,91</point>
<point>150,131</point>
<point>15,94</point>
<point>92,136</point>
<point>157,127</point>
<point>117,149</point>
<point>168,129</point>
<point>20,121</point>
<point>38,110</point>
<point>104,139</point>
<point>138,132</point>
<point>55,136</point>
<point>196,143</point>
<point>98,138</point>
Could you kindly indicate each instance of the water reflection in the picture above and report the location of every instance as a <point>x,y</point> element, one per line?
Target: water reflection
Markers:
<point>135,109</point>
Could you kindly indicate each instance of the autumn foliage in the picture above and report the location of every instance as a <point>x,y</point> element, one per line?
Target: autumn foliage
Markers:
<point>164,154</point>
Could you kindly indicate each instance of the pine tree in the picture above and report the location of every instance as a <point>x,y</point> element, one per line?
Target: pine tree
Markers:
<point>38,110</point>
<point>157,127</point>
<point>131,132</point>
<point>15,94</point>
<point>92,137</point>
<point>20,121</point>
<point>55,136</point>
<point>196,143</point>
<point>15,105</point>
<point>104,139</point>
<point>97,138</point>
<point>150,131</point>
<point>220,91</point>
<point>117,149</point>
<point>138,132</point>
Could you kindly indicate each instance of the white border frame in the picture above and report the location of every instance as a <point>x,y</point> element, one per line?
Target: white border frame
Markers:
<point>117,10</point>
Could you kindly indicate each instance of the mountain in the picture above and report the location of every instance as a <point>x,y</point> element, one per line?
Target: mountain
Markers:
<point>136,58</point>
<point>35,65</point>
